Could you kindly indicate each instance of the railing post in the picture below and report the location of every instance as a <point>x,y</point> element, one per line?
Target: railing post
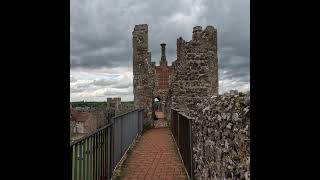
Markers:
<point>76,162</point>
<point>98,153</point>
<point>142,120</point>
<point>112,146</point>
<point>80,160</point>
<point>171,120</point>
<point>178,129</point>
<point>110,162</point>
<point>70,165</point>
<point>191,149</point>
<point>137,119</point>
<point>121,119</point>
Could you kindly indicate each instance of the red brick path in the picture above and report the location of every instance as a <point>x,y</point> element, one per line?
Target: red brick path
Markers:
<point>154,157</point>
<point>159,114</point>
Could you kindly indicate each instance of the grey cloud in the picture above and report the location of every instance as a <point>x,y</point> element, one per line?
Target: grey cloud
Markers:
<point>100,32</point>
<point>116,92</point>
<point>103,82</point>
<point>118,83</point>
<point>123,85</point>
<point>72,79</point>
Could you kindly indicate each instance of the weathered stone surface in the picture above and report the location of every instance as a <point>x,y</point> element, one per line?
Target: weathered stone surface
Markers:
<point>162,79</point>
<point>221,124</point>
<point>143,83</point>
<point>149,80</point>
<point>224,147</point>
<point>195,72</point>
<point>193,76</point>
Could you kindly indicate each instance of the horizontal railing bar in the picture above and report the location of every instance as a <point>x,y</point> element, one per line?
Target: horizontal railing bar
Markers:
<point>180,131</point>
<point>115,117</point>
<point>175,109</point>
<point>91,134</point>
<point>182,114</point>
<point>186,116</point>
<point>103,142</point>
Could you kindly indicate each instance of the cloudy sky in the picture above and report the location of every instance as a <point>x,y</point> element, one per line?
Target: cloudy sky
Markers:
<point>101,41</point>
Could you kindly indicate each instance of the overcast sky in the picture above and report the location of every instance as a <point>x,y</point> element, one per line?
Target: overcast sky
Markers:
<point>101,41</point>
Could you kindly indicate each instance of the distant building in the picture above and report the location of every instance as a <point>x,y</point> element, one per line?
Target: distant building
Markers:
<point>84,120</point>
<point>81,122</point>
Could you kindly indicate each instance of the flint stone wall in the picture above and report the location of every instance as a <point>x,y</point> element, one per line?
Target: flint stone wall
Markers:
<point>221,137</point>
<point>195,72</point>
<point>143,74</point>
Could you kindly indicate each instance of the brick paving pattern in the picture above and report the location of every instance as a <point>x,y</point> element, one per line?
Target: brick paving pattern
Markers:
<point>160,123</point>
<point>154,157</point>
<point>159,114</point>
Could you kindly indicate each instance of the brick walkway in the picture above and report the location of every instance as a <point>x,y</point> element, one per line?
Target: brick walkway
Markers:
<point>154,157</point>
<point>159,114</point>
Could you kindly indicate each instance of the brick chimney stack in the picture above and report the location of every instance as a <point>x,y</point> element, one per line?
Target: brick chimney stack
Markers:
<point>163,60</point>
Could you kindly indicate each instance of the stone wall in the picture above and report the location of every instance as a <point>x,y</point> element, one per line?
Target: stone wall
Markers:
<point>101,116</point>
<point>84,120</point>
<point>220,129</point>
<point>221,137</point>
<point>125,107</point>
<point>162,78</point>
<point>195,72</point>
<point>143,74</point>
<point>192,77</point>
<point>113,103</point>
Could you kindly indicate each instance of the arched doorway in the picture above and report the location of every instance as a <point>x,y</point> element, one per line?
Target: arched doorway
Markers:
<point>158,108</point>
<point>157,104</point>
<point>158,112</point>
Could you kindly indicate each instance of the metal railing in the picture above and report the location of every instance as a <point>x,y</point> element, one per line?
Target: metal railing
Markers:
<point>125,128</point>
<point>95,156</point>
<point>181,127</point>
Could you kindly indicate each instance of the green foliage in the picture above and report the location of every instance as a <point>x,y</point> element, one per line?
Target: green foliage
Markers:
<point>87,104</point>
<point>129,102</point>
<point>94,104</point>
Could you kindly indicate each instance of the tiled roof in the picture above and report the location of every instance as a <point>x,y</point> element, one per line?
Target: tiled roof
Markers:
<point>79,116</point>
<point>83,116</point>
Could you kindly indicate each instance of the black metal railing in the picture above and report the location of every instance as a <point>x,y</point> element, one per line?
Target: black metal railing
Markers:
<point>125,129</point>
<point>181,127</point>
<point>90,155</point>
<point>95,156</point>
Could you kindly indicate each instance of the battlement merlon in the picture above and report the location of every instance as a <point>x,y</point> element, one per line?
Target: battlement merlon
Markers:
<point>198,32</point>
<point>140,27</point>
<point>180,39</point>
<point>210,28</point>
<point>140,42</point>
<point>197,29</point>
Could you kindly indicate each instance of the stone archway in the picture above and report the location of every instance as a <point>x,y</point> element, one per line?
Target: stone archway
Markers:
<point>158,112</point>
<point>157,103</point>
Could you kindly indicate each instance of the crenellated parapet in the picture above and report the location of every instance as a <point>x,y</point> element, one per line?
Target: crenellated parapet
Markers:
<point>190,79</point>
<point>196,69</point>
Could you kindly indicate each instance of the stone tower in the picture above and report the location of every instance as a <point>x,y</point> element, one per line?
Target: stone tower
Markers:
<point>191,78</point>
<point>195,70</point>
<point>142,71</point>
